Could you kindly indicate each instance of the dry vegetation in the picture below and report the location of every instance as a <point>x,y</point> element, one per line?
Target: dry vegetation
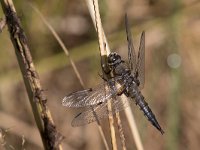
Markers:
<point>172,27</point>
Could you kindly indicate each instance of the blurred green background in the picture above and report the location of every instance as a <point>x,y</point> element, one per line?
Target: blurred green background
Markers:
<point>172,70</point>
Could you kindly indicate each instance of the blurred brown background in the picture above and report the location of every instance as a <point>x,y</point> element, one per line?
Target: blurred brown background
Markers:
<point>172,70</point>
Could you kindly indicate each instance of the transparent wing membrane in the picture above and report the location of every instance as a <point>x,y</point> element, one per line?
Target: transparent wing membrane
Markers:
<point>100,111</point>
<point>131,50</point>
<point>89,97</point>
<point>140,68</point>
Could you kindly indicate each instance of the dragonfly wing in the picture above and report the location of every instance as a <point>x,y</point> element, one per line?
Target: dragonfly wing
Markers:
<point>100,111</point>
<point>140,68</point>
<point>89,97</point>
<point>131,50</point>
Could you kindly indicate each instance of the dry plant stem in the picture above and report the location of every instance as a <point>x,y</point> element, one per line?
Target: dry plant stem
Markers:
<point>112,127</point>
<point>61,44</point>
<point>97,23</point>
<point>99,29</point>
<point>121,132</point>
<point>103,44</point>
<point>104,51</point>
<point>50,137</point>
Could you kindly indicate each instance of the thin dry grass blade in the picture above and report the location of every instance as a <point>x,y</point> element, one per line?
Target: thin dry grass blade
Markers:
<point>103,44</point>
<point>133,126</point>
<point>72,63</point>
<point>121,132</point>
<point>104,51</point>
<point>95,15</point>
<point>60,42</point>
<point>112,127</point>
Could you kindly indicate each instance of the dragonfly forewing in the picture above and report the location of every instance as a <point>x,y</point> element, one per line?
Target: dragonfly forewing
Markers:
<point>89,97</point>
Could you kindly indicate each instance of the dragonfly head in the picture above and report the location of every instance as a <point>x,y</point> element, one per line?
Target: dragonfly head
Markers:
<point>114,59</point>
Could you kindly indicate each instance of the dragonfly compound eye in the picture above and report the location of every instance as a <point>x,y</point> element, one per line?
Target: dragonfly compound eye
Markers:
<point>114,58</point>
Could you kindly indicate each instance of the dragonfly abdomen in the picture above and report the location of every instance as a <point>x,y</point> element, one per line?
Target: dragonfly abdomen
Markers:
<point>140,101</point>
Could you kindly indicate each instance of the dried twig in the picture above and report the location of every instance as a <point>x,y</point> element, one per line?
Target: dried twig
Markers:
<point>51,138</point>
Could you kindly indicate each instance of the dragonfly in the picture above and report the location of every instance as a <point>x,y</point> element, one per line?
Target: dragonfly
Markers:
<point>128,79</point>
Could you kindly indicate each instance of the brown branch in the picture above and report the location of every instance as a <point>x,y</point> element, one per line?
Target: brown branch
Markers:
<point>50,136</point>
